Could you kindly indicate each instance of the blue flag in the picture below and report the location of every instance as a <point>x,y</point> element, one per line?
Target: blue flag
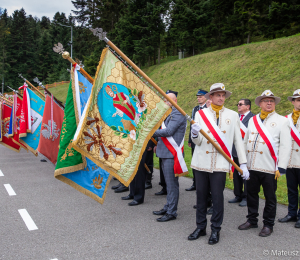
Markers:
<point>92,180</point>
<point>37,105</point>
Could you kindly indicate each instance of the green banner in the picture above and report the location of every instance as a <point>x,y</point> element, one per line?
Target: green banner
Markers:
<point>68,160</point>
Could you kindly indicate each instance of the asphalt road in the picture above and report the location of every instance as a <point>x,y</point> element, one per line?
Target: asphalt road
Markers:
<point>69,225</point>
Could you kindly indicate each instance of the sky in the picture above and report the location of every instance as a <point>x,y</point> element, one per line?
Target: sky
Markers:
<point>38,8</point>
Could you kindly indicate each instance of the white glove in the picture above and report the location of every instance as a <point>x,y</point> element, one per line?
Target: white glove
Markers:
<point>195,130</point>
<point>246,173</point>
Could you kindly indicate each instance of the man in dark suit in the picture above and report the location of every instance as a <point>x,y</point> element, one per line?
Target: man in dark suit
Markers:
<point>137,186</point>
<point>174,128</point>
<point>244,107</point>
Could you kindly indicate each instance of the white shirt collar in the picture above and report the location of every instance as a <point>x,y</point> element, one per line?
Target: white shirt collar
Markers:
<point>246,114</point>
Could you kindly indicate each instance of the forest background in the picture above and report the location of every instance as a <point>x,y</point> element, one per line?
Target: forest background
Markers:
<point>145,30</point>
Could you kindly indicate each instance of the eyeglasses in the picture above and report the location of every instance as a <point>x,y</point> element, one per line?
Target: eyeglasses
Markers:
<point>268,100</point>
<point>240,104</point>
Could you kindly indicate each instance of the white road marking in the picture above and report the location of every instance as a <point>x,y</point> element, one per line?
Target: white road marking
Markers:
<point>27,219</point>
<point>10,190</point>
<point>54,259</point>
<point>1,173</point>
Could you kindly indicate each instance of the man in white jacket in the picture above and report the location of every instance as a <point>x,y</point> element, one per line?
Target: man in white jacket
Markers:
<point>293,170</point>
<point>268,146</point>
<point>223,126</point>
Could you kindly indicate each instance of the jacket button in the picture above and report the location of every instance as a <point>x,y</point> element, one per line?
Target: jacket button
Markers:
<point>297,150</point>
<point>208,131</point>
<point>252,133</point>
<point>248,151</point>
<point>224,132</point>
<point>250,141</point>
<point>207,152</point>
<point>261,152</point>
<point>208,142</point>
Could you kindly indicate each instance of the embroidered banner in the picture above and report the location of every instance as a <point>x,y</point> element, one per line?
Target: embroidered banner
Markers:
<point>51,129</point>
<point>36,104</point>
<point>6,141</point>
<point>92,180</point>
<point>121,116</point>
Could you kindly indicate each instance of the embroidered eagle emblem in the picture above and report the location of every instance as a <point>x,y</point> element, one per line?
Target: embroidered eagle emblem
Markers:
<point>46,131</point>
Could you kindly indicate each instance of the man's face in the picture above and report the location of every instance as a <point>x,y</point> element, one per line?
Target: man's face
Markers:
<point>201,100</point>
<point>296,104</point>
<point>218,98</point>
<point>267,104</point>
<point>242,108</point>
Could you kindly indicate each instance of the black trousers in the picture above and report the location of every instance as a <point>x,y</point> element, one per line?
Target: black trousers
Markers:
<point>137,186</point>
<point>162,181</point>
<point>149,162</point>
<point>293,185</point>
<point>216,182</point>
<point>194,181</point>
<point>239,183</point>
<point>269,184</point>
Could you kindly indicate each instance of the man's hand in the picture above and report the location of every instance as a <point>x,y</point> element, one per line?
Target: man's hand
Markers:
<point>149,149</point>
<point>208,102</point>
<point>195,130</point>
<point>189,144</point>
<point>154,149</point>
<point>246,173</point>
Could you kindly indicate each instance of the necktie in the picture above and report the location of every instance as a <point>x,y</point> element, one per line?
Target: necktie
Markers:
<point>241,118</point>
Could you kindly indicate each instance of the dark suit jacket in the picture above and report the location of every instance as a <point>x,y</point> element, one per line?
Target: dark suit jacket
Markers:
<point>175,126</point>
<point>245,122</point>
<point>195,110</point>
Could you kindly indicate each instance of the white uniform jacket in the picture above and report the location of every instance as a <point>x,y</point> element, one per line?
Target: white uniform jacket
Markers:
<point>206,157</point>
<point>294,161</point>
<point>258,154</point>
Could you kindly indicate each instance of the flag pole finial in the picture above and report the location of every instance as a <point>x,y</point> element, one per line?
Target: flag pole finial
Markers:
<point>98,32</point>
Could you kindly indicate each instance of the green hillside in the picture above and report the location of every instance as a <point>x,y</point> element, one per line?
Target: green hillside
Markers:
<point>246,71</point>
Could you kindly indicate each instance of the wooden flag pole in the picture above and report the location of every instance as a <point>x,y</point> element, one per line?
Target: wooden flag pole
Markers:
<point>218,148</point>
<point>6,100</point>
<point>20,75</point>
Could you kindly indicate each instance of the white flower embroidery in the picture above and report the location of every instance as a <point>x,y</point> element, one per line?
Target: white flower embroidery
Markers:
<point>133,135</point>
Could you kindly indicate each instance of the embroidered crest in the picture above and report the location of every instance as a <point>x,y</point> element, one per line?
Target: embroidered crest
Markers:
<point>228,121</point>
<point>97,182</point>
<point>273,124</point>
<point>46,130</point>
<point>223,87</point>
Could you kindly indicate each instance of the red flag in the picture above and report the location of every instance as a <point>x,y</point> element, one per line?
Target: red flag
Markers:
<point>50,131</point>
<point>6,141</point>
<point>16,128</point>
<point>25,121</point>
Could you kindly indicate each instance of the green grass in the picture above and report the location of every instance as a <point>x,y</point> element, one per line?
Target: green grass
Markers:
<point>60,92</point>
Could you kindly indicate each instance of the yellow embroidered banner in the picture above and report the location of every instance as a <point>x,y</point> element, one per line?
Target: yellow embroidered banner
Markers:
<point>121,116</point>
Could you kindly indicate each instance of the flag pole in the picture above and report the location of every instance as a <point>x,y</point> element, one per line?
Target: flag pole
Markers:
<point>5,99</point>
<point>20,75</point>
<point>48,92</point>
<point>59,48</point>
<point>102,36</point>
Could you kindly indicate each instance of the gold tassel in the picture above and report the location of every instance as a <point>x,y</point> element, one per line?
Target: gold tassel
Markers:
<point>231,175</point>
<point>277,175</point>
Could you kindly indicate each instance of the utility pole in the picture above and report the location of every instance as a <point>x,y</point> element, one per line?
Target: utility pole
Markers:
<point>71,42</point>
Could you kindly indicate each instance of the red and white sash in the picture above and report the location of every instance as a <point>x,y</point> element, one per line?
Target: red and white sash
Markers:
<point>244,129</point>
<point>294,131</point>
<point>268,139</point>
<point>216,132</point>
<point>177,151</point>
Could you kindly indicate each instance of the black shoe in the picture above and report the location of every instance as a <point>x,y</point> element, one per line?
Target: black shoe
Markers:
<point>148,186</point>
<point>128,197</point>
<point>162,192</point>
<point>195,207</point>
<point>235,200</point>
<point>116,186</point>
<point>191,188</point>
<point>165,218</point>
<point>210,211</point>
<point>214,237</point>
<point>297,225</point>
<point>247,225</point>
<point>160,212</point>
<point>197,233</point>
<point>122,188</point>
<point>134,203</point>
<point>243,203</point>
<point>287,218</point>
